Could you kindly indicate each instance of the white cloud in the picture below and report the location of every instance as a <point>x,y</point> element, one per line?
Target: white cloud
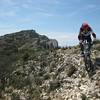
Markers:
<point>73,13</point>
<point>90,6</point>
<point>66,39</point>
<point>7,14</point>
<point>47,14</point>
<point>27,6</point>
<point>24,20</point>
<point>86,8</point>
<point>8,2</point>
<point>40,9</point>
<point>29,1</point>
<point>50,2</point>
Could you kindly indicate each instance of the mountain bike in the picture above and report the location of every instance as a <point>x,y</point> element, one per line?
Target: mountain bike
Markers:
<point>87,56</point>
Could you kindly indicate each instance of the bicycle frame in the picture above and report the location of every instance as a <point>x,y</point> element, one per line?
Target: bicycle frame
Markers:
<point>87,53</point>
<point>86,46</point>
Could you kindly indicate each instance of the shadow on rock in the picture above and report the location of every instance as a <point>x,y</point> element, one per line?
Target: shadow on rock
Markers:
<point>95,66</point>
<point>97,63</point>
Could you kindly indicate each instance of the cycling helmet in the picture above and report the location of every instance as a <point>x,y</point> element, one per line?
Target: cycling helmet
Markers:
<point>85,25</point>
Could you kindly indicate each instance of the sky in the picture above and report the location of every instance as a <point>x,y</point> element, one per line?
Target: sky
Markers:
<point>58,19</point>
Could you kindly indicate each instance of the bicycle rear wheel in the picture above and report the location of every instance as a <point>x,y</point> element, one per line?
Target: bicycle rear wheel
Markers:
<point>88,63</point>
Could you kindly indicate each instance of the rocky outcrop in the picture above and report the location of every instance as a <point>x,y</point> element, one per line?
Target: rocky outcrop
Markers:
<point>52,44</point>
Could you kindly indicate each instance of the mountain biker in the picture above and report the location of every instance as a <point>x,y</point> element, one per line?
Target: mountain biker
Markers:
<point>85,34</point>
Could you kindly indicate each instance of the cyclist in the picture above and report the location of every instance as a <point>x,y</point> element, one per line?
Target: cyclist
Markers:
<point>85,34</point>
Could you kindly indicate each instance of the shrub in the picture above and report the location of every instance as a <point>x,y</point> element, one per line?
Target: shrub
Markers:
<point>54,85</point>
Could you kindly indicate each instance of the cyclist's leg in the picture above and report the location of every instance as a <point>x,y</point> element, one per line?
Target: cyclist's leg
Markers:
<point>82,49</point>
<point>90,62</point>
<point>89,40</point>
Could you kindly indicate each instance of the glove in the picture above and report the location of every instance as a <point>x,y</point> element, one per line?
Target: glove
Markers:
<point>94,39</point>
<point>80,41</point>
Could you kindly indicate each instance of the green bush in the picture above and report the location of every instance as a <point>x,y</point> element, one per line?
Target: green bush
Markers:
<point>25,56</point>
<point>83,96</point>
<point>15,96</point>
<point>38,80</point>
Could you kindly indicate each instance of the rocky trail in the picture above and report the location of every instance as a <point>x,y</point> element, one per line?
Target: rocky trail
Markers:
<point>75,81</point>
<point>54,75</point>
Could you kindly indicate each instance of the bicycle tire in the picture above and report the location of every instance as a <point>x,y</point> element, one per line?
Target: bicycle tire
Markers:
<point>87,61</point>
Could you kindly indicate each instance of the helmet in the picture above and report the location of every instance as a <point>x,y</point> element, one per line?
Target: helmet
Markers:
<point>85,25</point>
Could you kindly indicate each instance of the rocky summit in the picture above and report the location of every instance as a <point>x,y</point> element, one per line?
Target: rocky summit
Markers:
<point>32,69</point>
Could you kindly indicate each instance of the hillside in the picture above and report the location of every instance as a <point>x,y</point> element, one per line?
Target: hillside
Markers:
<point>15,45</point>
<point>41,73</point>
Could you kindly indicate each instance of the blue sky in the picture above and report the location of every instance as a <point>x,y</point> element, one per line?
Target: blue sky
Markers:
<point>59,19</point>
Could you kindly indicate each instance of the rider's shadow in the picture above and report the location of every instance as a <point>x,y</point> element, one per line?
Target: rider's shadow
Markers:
<point>97,63</point>
<point>95,66</point>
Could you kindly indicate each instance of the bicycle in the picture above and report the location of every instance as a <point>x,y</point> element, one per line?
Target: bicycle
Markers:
<point>87,56</point>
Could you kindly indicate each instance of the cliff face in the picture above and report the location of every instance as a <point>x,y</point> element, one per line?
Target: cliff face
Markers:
<point>51,74</point>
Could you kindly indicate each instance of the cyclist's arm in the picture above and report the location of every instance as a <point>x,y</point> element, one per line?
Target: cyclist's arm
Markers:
<point>93,34</point>
<point>80,36</point>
